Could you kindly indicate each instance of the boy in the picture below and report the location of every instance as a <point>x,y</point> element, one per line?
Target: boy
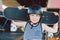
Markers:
<point>34,27</point>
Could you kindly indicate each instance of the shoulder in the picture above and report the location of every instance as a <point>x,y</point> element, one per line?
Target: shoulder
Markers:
<point>44,25</point>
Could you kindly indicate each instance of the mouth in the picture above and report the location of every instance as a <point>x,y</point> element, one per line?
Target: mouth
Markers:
<point>34,19</point>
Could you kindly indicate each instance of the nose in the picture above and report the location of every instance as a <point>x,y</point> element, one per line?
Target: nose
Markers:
<point>35,16</point>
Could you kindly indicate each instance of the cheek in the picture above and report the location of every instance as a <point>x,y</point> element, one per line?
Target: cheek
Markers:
<point>30,18</point>
<point>37,19</point>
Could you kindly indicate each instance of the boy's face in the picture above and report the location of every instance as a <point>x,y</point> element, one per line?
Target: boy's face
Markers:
<point>34,18</point>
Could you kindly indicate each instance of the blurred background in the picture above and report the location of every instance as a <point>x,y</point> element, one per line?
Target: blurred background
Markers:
<point>6,34</point>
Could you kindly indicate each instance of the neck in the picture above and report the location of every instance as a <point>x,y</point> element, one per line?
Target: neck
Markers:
<point>34,24</point>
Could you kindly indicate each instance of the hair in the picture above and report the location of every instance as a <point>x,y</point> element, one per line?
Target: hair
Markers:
<point>40,18</point>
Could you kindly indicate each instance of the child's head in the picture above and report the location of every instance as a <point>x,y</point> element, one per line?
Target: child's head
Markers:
<point>35,13</point>
<point>34,18</point>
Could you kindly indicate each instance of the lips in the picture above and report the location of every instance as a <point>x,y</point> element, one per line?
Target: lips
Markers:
<point>34,20</point>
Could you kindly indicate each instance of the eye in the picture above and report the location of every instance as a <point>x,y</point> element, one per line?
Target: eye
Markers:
<point>31,14</point>
<point>38,15</point>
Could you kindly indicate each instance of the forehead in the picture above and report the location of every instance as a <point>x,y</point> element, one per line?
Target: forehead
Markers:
<point>34,14</point>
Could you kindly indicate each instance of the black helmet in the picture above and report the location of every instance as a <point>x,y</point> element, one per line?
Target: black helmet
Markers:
<point>35,9</point>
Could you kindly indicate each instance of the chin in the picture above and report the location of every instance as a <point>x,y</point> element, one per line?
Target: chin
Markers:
<point>35,22</point>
